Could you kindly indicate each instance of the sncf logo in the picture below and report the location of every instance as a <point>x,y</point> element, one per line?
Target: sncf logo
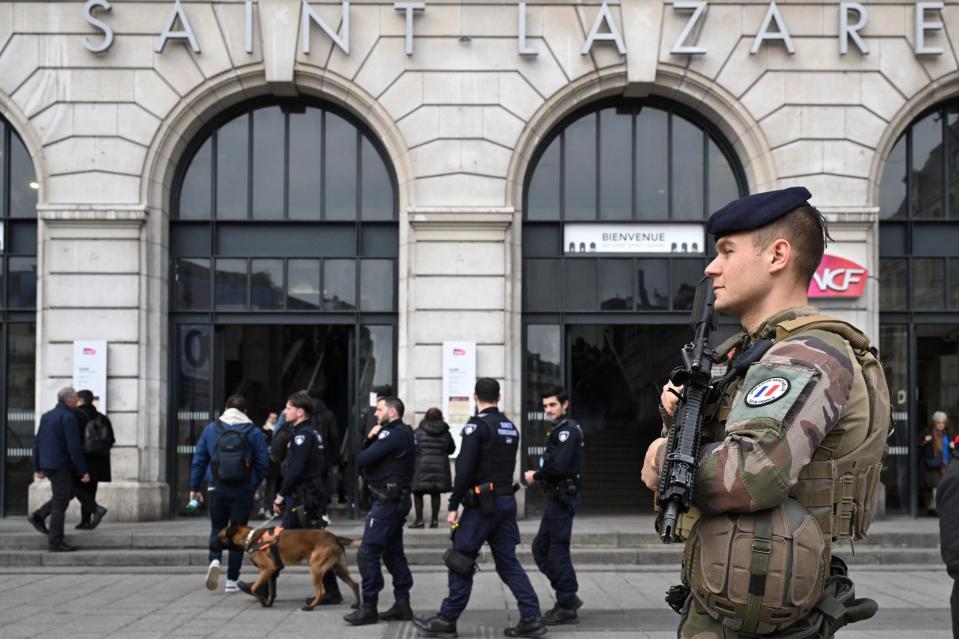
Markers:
<point>837,277</point>
<point>89,351</point>
<point>767,391</point>
<point>459,352</point>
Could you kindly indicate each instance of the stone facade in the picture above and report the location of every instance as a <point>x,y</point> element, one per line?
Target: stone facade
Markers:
<point>460,118</point>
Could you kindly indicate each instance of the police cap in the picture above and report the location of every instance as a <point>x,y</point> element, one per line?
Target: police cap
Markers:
<point>753,211</point>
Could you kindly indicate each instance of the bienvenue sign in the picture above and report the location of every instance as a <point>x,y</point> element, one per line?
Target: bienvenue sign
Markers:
<point>634,238</point>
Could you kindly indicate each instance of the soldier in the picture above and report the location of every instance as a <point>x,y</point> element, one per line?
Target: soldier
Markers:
<point>558,474</point>
<point>484,485</point>
<point>799,438</point>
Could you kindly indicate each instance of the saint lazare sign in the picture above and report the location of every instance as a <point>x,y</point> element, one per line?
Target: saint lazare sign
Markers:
<point>853,19</point>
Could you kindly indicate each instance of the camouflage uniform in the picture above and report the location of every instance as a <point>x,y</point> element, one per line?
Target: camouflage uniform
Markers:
<point>753,454</point>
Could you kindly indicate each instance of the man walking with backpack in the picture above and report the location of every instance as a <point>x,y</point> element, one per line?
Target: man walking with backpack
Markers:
<point>231,456</point>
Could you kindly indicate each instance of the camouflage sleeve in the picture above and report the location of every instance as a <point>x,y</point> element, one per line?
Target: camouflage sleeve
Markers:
<point>788,403</point>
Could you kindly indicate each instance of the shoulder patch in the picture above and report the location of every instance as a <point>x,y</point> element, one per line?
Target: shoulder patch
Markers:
<point>468,429</point>
<point>766,392</point>
<point>563,436</point>
<point>299,439</point>
<point>383,434</point>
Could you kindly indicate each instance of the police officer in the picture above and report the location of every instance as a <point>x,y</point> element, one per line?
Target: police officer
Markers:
<point>387,461</point>
<point>484,486</point>
<point>302,495</point>
<point>559,475</point>
<point>812,407</point>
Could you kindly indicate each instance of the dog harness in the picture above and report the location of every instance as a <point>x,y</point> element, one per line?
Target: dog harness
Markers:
<point>266,538</point>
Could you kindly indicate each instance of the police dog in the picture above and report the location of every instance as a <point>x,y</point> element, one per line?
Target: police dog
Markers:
<point>323,550</point>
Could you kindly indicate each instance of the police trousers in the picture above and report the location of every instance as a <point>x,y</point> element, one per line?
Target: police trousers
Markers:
<point>383,541</point>
<point>551,548</point>
<point>502,534</point>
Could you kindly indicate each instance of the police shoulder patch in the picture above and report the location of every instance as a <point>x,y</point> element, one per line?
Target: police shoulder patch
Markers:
<point>767,391</point>
<point>468,429</point>
<point>383,434</point>
<point>299,439</point>
<point>563,436</point>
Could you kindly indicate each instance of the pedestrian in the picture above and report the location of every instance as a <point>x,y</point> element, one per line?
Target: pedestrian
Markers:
<point>559,475</point>
<point>947,505</point>
<point>801,386</point>
<point>98,439</point>
<point>302,495</point>
<point>387,461</point>
<point>266,491</point>
<point>935,454</point>
<point>58,456</point>
<point>434,445</point>
<point>231,458</point>
<point>484,487</point>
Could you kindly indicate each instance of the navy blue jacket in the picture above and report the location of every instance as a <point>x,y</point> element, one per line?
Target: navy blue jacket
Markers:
<point>200,467</point>
<point>390,457</point>
<point>57,445</point>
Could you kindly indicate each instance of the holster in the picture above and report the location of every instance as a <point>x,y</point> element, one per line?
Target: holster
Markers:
<point>459,563</point>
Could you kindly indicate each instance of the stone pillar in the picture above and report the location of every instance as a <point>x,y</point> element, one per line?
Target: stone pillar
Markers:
<point>93,285</point>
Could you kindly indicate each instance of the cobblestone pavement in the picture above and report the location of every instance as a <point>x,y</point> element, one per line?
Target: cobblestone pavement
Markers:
<point>135,604</point>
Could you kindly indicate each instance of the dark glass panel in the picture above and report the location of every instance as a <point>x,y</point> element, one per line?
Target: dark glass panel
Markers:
<point>892,239</point>
<point>652,168</point>
<point>340,163</point>
<point>196,193</point>
<point>896,469</point>
<point>543,195</point>
<point>290,240</point>
<point>686,277</point>
<point>268,139</point>
<point>952,133</point>
<point>3,172</point>
<point>892,187</point>
<point>687,166</point>
<point>303,286</point>
<point>542,240</point>
<point>266,284</point>
<point>190,239</point>
<point>579,180</point>
<point>23,181</point>
<point>928,284</point>
<point>22,283</point>
<point>652,278</point>
<point>376,188</point>
<point>380,240</point>
<point>616,165</point>
<point>192,393</point>
<point>543,285</point>
<point>377,284</point>
<point>616,285</point>
<point>230,281</point>
<point>23,237</point>
<point>544,345</point>
<point>339,285</point>
<point>722,181</point>
<point>375,361</point>
<point>580,285</point>
<point>892,284</point>
<point>935,239</point>
<point>926,170</point>
<point>192,283</point>
<point>232,169</point>
<point>306,155</point>
<point>954,284</point>
<point>21,383</point>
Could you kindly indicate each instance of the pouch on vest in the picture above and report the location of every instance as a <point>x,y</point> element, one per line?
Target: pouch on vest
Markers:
<point>757,573</point>
<point>485,498</point>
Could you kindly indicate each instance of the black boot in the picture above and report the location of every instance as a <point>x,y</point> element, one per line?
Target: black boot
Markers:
<point>435,627</point>
<point>433,524</point>
<point>400,611</point>
<point>417,524</point>
<point>528,627</point>
<point>98,515</point>
<point>560,616</point>
<point>363,616</point>
<point>38,524</point>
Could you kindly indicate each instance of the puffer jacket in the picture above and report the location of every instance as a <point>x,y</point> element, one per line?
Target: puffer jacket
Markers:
<point>947,505</point>
<point>434,445</point>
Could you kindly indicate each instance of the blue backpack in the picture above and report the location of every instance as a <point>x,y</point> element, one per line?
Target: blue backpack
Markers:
<point>232,460</point>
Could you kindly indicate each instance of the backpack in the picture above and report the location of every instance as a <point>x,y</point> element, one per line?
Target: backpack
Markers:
<point>98,436</point>
<point>232,455</point>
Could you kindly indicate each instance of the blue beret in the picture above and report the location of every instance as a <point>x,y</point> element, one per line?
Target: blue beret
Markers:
<point>756,210</point>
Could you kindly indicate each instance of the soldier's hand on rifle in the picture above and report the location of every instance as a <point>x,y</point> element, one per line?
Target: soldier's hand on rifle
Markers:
<point>651,465</point>
<point>670,397</point>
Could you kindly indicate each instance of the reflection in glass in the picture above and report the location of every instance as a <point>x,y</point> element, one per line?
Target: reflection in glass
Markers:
<point>23,180</point>
<point>615,285</point>
<point>306,150</point>
<point>954,284</point>
<point>303,289</point>
<point>897,472</point>
<point>21,382</point>
<point>266,284</point>
<point>543,370</point>
<point>687,168</point>
<point>580,169</point>
<point>192,395</point>
<point>543,194</point>
<point>652,167</point>
<point>268,138</point>
<point>542,285</point>
<point>652,277</point>
<point>892,188</point>
<point>376,197</point>
<point>341,169</point>
<point>196,193</point>
<point>232,163</point>
<point>339,285</point>
<point>722,181</point>
<point>928,284</point>
<point>892,289</point>
<point>952,133</point>
<point>616,165</point>
<point>375,360</point>
<point>926,170</point>
<point>192,284</point>
<point>230,285</point>
<point>3,173</point>
<point>580,285</point>
<point>22,283</point>
<point>376,285</point>
<point>687,274</point>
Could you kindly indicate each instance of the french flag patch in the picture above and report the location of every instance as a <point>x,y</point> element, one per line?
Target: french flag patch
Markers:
<point>767,391</point>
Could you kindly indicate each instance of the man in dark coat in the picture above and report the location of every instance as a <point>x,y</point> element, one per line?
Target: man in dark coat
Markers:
<point>98,459</point>
<point>947,503</point>
<point>58,456</point>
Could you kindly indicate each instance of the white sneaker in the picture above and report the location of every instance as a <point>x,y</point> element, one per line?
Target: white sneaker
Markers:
<point>231,586</point>
<point>213,575</point>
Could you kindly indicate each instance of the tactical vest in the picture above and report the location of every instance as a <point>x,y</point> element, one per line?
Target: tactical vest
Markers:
<point>397,468</point>
<point>498,452</point>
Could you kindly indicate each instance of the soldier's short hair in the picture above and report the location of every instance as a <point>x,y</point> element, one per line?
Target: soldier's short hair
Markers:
<point>302,400</point>
<point>558,392</point>
<point>394,402</point>
<point>806,231</point>
<point>487,390</point>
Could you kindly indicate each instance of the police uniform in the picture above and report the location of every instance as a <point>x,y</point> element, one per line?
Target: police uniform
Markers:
<point>387,463</point>
<point>806,425</point>
<point>559,473</point>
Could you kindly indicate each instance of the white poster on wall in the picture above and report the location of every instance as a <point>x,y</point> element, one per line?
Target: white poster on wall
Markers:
<point>459,378</point>
<point>634,238</point>
<point>90,370</point>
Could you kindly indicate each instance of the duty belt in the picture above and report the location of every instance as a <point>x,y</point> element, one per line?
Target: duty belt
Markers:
<point>389,492</point>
